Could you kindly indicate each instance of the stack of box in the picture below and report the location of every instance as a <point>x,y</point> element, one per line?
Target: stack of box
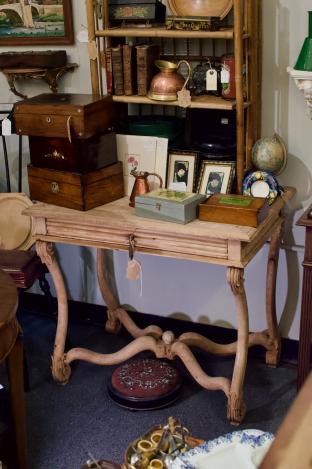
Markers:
<point>72,149</point>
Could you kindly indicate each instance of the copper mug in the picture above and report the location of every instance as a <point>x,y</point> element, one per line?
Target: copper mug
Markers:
<point>166,84</point>
<point>141,185</point>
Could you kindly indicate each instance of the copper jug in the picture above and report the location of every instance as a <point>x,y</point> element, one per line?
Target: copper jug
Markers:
<point>166,84</point>
<point>141,185</point>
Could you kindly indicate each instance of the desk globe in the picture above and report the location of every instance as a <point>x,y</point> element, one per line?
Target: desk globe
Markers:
<point>269,154</point>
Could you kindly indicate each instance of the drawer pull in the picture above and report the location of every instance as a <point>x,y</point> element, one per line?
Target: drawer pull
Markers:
<point>68,129</point>
<point>55,188</point>
<point>48,120</point>
<point>55,155</point>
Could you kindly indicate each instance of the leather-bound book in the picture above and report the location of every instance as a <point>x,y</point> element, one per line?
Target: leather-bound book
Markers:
<point>118,79</point>
<point>146,56</point>
<point>129,69</point>
<point>109,70</point>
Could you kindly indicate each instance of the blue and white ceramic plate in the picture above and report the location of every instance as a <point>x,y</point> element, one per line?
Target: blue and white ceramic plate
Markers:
<point>261,184</point>
<point>243,449</point>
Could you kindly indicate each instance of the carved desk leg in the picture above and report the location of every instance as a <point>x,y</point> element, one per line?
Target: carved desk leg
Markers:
<point>236,407</point>
<point>273,354</point>
<point>60,369</point>
<point>113,324</point>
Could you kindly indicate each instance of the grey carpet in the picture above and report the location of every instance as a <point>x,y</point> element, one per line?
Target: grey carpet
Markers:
<point>67,422</point>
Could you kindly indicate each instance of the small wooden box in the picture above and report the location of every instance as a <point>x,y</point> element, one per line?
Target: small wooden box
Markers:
<point>74,190</point>
<point>64,115</point>
<point>81,156</point>
<point>234,209</point>
<point>152,11</point>
<point>167,205</point>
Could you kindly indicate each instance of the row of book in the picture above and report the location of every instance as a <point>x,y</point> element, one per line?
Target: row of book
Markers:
<point>129,68</point>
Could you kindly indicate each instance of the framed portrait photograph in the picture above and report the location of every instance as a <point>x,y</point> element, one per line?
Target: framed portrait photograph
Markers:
<point>182,167</point>
<point>36,22</point>
<point>215,177</point>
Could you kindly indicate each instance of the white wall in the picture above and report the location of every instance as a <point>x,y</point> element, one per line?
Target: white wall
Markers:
<point>198,291</point>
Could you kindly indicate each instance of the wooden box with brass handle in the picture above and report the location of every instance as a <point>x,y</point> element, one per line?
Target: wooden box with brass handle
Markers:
<point>75,190</point>
<point>64,115</point>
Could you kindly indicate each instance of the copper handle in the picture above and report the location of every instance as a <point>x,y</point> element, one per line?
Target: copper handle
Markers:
<point>189,72</point>
<point>159,177</point>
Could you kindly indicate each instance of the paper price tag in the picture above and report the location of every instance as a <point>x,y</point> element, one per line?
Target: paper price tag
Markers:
<point>177,186</point>
<point>211,80</point>
<point>184,98</point>
<point>6,126</point>
<point>82,36</point>
<point>225,76</point>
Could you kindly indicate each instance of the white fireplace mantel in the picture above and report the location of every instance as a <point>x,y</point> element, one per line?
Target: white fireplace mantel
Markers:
<point>303,81</point>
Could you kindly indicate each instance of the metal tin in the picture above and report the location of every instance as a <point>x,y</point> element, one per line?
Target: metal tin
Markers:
<point>167,205</point>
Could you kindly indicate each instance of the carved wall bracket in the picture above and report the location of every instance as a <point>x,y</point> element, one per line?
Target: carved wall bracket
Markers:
<point>303,81</point>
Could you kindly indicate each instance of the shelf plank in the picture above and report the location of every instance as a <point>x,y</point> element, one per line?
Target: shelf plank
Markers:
<point>163,33</point>
<point>199,102</point>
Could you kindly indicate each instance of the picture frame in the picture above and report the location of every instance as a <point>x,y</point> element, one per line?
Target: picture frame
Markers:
<point>142,154</point>
<point>182,167</point>
<point>216,177</point>
<point>30,23</point>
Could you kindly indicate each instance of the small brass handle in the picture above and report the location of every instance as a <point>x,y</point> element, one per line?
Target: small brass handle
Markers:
<point>55,188</point>
<point>56,155</point>
<point>68,129</point>
<point>48,120</point>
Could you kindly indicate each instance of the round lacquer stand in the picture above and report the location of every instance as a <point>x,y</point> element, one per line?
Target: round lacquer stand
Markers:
<point>145,384</point>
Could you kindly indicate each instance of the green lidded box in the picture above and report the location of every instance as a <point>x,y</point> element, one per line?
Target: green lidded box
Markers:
<point>168,205</point>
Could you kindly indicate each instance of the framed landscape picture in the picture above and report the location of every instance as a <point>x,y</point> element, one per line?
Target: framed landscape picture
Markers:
<point>36,22</point>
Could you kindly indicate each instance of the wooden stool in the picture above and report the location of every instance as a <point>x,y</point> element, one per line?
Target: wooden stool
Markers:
<point>11,349</point>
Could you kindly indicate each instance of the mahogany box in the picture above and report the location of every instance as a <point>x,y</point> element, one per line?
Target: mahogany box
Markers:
<point>64,115</point>
<point>234,209</point>
<point>75,190</point>
<point>80,155</point>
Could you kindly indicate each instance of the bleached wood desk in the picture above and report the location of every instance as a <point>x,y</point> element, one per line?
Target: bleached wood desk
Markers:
<point>112,226</point>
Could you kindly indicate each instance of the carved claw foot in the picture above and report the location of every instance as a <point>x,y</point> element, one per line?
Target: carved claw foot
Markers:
<point>272,356</point>
<point>60,369</point>
<point>113,325</point>
<point>236,409</point>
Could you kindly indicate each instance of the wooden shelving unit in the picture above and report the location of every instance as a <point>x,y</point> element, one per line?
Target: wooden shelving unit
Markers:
<point>246,39</point>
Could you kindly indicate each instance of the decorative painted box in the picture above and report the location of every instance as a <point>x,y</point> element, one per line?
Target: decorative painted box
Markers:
<point>74,190</point>
<point>234,209</point>
<point>151,11</point>
<point>168,205</point>
<point>193,23</point>
<point>64,115</point>
<point>80,155</point>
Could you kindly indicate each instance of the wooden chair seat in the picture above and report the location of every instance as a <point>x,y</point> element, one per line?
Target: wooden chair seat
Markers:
<point>11,349</point>
<point>16,258</point>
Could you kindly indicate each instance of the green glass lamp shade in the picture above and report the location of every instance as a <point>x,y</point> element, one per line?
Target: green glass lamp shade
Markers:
<point>304,61</point>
